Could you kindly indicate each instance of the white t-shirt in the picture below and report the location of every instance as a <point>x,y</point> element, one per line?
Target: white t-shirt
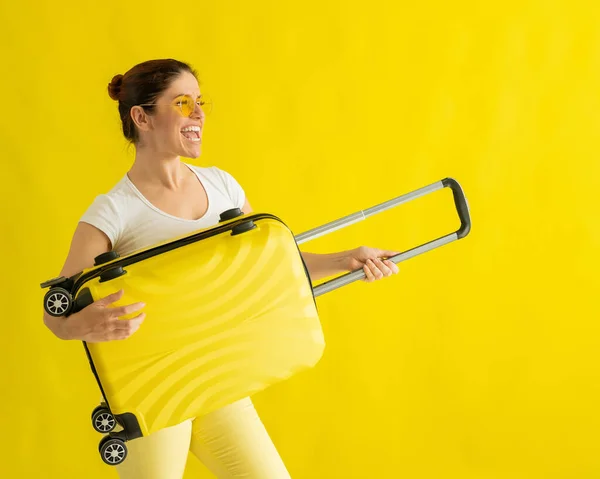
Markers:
<point>131,222</point>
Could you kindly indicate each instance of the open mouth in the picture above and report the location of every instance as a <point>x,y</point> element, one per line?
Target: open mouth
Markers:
<point>191,133</point>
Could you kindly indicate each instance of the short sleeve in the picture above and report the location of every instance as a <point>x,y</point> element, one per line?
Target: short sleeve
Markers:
<point>233,188</point>
<point>104,215</point>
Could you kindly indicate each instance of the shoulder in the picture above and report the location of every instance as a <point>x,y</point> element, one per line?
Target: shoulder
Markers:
<point>214,172</point>
<point>114,200</point>
<point>107,209</point>
<point>219,177</point>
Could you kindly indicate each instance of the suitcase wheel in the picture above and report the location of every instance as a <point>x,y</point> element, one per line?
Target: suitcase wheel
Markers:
<point>112,273</point>
<point>57,302</point>
<point>112,450</point>
<point>102,420</point>
<point>230,214</point>
<point>105,257</point>
<point>242,228</point>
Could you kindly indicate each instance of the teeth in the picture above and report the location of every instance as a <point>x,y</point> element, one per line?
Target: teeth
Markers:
<point>191,128</point>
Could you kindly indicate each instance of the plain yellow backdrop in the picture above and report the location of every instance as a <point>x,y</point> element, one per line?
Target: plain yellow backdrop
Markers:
<point>480,360</point>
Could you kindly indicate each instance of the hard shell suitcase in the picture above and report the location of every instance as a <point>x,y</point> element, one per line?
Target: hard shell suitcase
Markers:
<point>230,311</point>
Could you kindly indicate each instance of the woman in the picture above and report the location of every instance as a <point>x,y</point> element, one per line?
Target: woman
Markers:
<point>159,198</point>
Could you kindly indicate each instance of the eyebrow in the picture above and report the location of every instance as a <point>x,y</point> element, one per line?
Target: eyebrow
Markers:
<point>181,94</point>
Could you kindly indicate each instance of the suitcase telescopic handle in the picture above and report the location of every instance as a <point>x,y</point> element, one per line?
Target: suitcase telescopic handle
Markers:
<point>462,209</point>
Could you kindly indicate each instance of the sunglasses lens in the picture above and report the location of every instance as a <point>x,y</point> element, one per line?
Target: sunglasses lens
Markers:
<point>205,103</point>
<point>187,105</point>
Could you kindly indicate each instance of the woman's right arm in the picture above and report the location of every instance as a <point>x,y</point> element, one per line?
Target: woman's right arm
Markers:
<point>96,322</point>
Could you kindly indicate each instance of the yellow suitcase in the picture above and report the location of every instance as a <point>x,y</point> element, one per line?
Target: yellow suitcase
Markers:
<point>230,311</point>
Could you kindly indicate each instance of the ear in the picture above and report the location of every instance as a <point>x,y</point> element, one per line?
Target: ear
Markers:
<point>140,118</point>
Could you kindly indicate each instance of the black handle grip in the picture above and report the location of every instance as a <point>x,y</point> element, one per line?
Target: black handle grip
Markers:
<point>461,206</point>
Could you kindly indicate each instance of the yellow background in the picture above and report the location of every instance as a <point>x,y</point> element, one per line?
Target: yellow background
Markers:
<point>480,360</point>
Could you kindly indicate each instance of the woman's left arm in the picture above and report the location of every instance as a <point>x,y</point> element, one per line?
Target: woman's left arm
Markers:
<point>373,261</point>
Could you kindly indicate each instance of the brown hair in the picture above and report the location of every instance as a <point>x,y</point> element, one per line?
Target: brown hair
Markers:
<point>143,84</point>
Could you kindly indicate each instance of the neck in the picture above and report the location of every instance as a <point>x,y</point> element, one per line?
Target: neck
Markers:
<point>153,169</point>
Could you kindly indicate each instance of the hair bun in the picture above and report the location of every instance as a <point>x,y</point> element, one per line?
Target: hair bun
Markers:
<point>114,87</point>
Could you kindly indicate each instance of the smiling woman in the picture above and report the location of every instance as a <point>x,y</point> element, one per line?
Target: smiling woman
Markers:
<point>162,112</point>
<point>169,86</point>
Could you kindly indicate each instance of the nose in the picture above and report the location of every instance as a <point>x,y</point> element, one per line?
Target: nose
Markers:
<point>198,114</point>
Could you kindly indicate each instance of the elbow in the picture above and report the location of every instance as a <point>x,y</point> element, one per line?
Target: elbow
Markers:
<point>55,325</point>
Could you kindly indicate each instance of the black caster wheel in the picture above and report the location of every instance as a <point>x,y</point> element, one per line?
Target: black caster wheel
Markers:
<point>57,302</point>
<point>105,257</point>
<point>113,450</point>
<point>242,228</point>
<point>102,420</point>
<point>230,214</point>
<point>112,273</point>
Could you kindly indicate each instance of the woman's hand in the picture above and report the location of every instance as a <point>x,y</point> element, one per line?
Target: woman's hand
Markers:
<point>370,260</point>
<point>99,322</point>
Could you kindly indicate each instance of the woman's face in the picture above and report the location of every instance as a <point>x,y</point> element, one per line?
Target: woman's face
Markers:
<point>168,130</point>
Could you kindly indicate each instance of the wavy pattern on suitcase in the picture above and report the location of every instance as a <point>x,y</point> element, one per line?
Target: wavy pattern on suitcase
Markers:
<point>226,317</point>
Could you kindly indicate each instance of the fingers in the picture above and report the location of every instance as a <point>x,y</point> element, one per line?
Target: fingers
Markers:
<point>111,298</point>
<point>126,327</point>
<point>127,309</point>
<point>380,270</point>
<point>368,274</point>
<point>393,266</point>
<point>134,322</point>
<point>119,311</point>
<point>105,323</point>
<point>372,271</point>
<point>376,269</point>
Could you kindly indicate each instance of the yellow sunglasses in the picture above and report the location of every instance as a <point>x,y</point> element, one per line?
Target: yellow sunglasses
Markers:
<point>187,105</point>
